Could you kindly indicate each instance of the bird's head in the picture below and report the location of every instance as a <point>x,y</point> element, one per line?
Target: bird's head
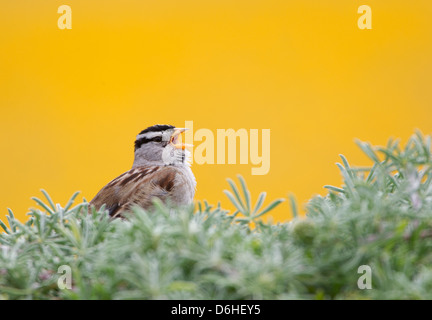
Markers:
<point>160,145</point>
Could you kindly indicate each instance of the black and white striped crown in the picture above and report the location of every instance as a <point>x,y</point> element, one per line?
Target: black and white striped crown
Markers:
<point>153,133</point>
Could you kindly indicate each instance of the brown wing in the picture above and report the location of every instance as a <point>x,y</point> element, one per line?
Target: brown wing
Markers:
<point>137,186</point>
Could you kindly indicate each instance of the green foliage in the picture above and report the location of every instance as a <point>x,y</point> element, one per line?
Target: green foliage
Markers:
<point>244,205</point>
<point>380,217</point>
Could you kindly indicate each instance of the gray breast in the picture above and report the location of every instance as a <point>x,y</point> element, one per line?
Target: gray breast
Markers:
<point>184,186</point>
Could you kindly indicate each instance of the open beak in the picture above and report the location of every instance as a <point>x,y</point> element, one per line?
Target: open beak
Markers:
<point>175,139</point>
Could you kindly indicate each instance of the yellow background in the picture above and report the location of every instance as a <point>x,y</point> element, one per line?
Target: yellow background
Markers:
<point>72,101</point>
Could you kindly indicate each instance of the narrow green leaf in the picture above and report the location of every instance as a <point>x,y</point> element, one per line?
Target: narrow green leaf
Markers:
<point>259,203</point>
<point>43,205</point>
<point>4,227</point>
<point>423,144</point>
<point>77,208</point>
<point>207,206</point>
<point>30,222</point>
<point>11,214</point>
<point>49,199</point>
<point>429,178</point>
<point>234,202</point>
<point>42,225</point>
<point>293,203</point>
<point>235,214</point>
<point>246,193</point>
<point>389,143</point>
<point>336,189</point>
<point>428,143</point>
<point>371,173</point>
<point>393,180</point>
<point>347,179</point>
<point>71,201</point>
<point>390,155</point>
<point>11,220</point>
<point>366,148</point>
<point>243,220</point>
<point>347,166</point>
<point>236,192</point>
<point>271,206</point>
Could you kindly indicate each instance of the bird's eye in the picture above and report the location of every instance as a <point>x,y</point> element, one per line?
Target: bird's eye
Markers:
<point>157,139</point>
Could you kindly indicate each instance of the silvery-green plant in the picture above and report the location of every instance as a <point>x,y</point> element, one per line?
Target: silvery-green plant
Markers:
<point>244,204</point>
<point>381,217</point>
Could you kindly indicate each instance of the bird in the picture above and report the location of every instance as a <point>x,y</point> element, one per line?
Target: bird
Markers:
<point>161,169</point>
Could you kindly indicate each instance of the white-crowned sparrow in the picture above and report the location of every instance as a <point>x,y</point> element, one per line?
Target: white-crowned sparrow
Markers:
<point>160,170</point>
